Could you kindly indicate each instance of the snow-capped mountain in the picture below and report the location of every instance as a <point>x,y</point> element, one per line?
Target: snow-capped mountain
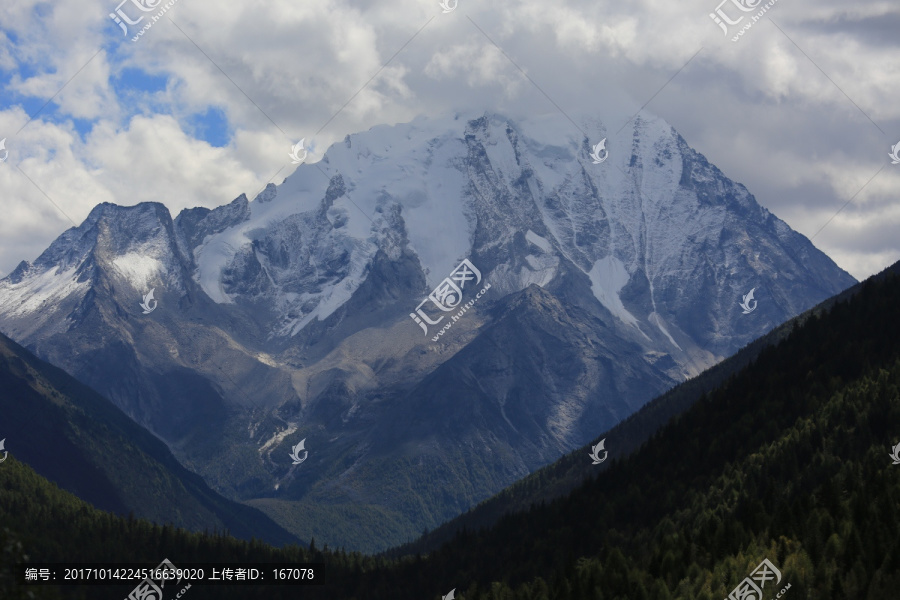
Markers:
<point>589,288</point>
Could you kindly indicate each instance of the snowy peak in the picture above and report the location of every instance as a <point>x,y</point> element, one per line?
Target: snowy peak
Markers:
<point>293,316</point>
<point>134,248</point>
<point>521,198</point>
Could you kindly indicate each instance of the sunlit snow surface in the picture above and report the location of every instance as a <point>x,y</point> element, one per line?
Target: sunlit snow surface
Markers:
<point>422,166</point>
<point>608,277</point>
<point>139,269</point>
<point>608,220</point>
<point>45,291</point>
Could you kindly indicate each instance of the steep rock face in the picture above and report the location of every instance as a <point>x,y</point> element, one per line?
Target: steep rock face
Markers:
<point>590,288</point>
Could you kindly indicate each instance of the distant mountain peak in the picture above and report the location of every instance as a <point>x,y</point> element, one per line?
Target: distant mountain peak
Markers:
<point>608,283</point>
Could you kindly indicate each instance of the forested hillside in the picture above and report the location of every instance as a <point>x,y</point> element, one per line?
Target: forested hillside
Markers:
<point>79,440</point>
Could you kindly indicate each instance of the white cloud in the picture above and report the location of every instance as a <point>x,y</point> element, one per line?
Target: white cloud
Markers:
<point>153,160</point>
<point>759,109</point>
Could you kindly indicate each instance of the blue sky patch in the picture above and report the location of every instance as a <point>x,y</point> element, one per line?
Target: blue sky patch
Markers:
<point>211,126</point>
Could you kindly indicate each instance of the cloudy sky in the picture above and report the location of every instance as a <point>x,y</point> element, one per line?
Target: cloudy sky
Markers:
<point>803,108</point>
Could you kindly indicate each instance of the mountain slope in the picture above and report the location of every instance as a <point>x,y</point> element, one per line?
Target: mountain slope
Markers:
<point>80,441</point>
<point>788,461</point>
<point>562,476</point>
<point>288,318</point>
<point>39,522</point>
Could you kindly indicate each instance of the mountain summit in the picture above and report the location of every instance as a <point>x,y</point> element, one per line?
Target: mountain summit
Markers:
<point>438,308</point>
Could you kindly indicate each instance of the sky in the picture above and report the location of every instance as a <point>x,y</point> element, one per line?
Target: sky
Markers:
<point>803,107</point>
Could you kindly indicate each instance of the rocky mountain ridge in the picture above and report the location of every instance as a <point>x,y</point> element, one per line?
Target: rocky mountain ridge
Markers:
<point>297,315</point>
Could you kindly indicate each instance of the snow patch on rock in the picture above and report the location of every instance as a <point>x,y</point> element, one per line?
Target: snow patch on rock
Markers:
<point>608,277</point>
<point>139,269</point>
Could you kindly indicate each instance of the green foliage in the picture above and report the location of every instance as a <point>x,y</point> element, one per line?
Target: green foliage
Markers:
<point>368,524</point>
<point>12,553</point>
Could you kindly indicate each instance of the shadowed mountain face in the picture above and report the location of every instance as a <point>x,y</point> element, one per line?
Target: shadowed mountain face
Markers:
<point>77,439</point>
<point>589,290</point>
